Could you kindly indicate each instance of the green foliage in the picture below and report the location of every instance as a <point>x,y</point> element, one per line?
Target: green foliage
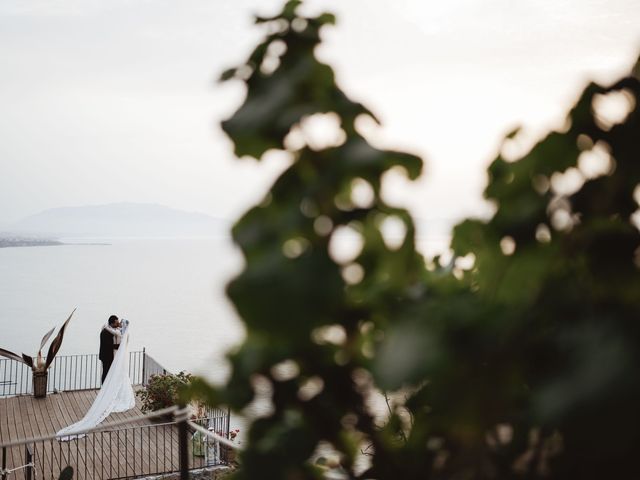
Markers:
<point>523,366</point>
<point>552,334</point>
<point>531,356</point>
<point>163,391</point>
<point>291,290</point>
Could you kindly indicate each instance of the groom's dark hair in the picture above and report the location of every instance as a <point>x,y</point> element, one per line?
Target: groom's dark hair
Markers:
<point>112,319</point>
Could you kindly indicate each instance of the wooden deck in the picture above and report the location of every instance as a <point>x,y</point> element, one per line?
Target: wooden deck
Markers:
<point>142,448</point>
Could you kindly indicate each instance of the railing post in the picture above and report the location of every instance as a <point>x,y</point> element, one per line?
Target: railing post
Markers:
<point>183,443</point>
<point>144,365</point>
<point>28,459</point>
<point>4,462</point>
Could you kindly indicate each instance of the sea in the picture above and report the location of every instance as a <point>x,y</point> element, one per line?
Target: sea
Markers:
<point>171,290</point>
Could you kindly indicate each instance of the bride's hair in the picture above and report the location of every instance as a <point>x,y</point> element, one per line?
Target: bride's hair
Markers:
<point>112,319</point>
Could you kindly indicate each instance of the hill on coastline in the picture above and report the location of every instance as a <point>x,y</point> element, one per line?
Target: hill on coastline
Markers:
<point>120,220</point>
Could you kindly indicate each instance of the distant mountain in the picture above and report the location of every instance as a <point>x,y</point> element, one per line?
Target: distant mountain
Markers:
<point>120,220</point>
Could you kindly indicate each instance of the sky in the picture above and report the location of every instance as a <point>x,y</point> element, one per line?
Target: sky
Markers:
<point>116,100</point>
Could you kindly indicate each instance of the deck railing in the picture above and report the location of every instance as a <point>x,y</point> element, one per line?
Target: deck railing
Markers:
<point>150,367</point>
<point>72,372</point>
<point>97,455</point>
<point>129,451</point>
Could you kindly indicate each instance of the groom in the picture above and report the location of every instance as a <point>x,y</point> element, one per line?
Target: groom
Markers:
<point>109,338</point>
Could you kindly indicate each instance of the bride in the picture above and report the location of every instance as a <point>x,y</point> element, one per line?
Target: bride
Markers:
<point>116,394</point>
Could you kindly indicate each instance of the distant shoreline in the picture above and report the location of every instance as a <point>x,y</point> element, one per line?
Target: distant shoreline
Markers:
<point>28,242</point>
<point>35,242</point>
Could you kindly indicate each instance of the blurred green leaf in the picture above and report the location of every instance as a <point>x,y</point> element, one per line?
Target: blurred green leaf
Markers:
<point>522,364</point>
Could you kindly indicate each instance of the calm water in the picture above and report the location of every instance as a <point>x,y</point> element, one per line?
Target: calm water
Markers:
<point>171,290</point>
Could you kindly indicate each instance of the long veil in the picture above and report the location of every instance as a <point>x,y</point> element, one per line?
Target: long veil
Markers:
<point>116,394</point>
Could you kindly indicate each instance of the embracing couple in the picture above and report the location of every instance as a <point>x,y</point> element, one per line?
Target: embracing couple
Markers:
<point>110,338</point>
<point>116,393</point>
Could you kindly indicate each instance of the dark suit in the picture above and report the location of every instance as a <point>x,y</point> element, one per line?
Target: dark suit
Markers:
<point>106,352</point>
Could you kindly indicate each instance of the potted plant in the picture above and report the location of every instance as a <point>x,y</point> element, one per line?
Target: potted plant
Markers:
<point>40,365</point>
<point>162,391</point>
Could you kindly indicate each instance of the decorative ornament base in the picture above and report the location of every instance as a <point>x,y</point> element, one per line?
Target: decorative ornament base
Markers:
<point>40,384</point>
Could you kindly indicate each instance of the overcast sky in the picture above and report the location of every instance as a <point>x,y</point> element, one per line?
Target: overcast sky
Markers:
<point>114,100</point>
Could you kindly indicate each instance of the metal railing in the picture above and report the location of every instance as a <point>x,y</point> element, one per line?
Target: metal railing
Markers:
<point>25,470</point>
<point>129,451</point>
<point>72,372</point>
<point>149,367</point>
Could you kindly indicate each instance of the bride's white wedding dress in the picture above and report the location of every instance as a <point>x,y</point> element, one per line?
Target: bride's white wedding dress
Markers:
<point>116,394</point>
